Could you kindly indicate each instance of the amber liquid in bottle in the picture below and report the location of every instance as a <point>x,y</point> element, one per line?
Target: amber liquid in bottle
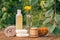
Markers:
<point>19,20</point>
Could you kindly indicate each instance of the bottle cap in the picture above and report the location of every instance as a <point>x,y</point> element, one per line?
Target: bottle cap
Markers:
<point>19,11</point>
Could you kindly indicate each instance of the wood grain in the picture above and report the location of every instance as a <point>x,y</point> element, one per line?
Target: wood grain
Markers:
<point>3,37</point>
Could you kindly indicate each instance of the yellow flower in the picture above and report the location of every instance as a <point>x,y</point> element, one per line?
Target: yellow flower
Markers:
<point>42,4</point>
<point>42,0</point>
<point>4,9</point>
<point>27,7</point>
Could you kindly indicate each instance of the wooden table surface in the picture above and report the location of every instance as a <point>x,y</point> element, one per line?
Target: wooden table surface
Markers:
<point>3,37</point>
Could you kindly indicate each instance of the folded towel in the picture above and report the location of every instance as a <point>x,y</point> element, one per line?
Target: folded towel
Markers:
<point>10,31</point>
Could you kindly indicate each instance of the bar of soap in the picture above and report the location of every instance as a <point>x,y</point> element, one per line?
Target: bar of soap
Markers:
<point>22,31</point>
<point>22,35</point>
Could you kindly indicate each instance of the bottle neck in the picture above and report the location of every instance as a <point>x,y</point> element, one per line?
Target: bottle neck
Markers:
<point>19,12</point>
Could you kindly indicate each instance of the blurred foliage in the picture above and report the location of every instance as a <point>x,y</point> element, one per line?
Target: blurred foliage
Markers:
<point>42,13</point>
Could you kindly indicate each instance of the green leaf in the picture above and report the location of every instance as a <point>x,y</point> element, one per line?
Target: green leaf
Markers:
<point>51,28</point>
<point>4,16</point>
<point>57,30</point>
<point>57,18</point>
<point>0,14</point>
<point>33,2</point>
<point>41,16</point>
<point>49,13</point>
<point>59,0</point>
<point>48,3</point>
<point>47,20</point>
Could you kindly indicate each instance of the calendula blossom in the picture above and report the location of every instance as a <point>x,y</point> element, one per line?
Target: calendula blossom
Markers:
<point>27,7</point>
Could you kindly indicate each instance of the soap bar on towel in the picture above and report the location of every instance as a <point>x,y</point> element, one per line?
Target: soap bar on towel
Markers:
<point>22,35</point>
<point>22,31</point>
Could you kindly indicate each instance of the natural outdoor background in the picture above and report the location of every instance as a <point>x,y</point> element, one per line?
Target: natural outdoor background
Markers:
<point>41,11</point>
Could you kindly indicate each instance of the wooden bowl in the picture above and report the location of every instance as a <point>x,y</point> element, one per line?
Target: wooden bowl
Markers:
<point>42,31</point>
